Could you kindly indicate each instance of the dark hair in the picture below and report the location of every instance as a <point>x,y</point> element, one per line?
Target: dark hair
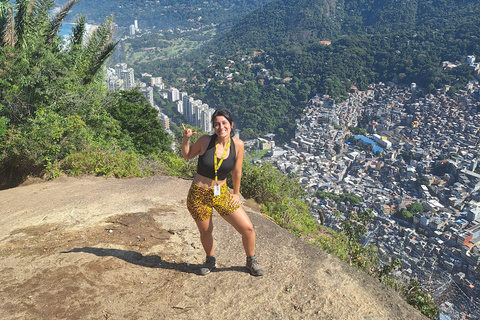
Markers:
<point>225,113</point>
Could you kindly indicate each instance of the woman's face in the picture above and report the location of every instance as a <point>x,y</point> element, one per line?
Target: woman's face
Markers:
<point>222,126</point>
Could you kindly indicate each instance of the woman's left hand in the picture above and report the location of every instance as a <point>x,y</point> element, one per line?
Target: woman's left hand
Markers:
<point>234,199</point>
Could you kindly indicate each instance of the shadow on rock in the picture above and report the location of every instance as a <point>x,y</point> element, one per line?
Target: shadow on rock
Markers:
<point>150,261</point>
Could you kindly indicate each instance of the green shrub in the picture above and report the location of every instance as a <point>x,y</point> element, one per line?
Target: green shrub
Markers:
<point>177,166</point>
<point>102,163</point>
<point>346,245</point>
<point>264,183</point>
<point>293,214</point>
<point>280,196</point>
<point>334,243</point>
<point>49,137</point>
<point>422,301</point>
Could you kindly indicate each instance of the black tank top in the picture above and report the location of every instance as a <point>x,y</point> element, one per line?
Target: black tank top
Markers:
<point>205,166</point>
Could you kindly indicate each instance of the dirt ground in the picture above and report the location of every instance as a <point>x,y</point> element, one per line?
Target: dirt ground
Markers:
<point>95,248</point>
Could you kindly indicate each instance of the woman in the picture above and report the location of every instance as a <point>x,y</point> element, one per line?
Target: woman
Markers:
<point>219,154</point>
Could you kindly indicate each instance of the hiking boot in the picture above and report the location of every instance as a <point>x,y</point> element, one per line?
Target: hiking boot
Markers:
<point>254,266</point>
<point>208,266</point>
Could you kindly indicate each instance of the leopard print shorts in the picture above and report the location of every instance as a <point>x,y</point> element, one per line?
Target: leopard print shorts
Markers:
<point>200,202</point>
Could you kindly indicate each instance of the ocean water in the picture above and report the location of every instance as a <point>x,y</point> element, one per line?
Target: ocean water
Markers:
<point>66,29</point>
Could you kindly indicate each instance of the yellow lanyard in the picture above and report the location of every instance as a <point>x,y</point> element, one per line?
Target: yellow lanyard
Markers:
<point>216,167</point>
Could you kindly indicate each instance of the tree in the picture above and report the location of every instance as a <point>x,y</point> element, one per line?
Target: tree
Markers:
<point>90,57</point>
<point>407,215</point>
<point>337,148</point>
<point>423,181</point>
<point>52,102</point>
<point>35,69</point>
<point>139,121</point>
<point>416,208</point>
<point>28,23</point>
<point>357,130</point>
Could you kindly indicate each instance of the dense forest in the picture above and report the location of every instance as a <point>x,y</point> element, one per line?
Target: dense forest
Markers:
<point>371,40</point>
<point>368,41</point>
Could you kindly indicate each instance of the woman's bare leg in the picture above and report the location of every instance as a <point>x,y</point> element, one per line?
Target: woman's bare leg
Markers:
<point>241,222</point>
<point>206,237</point>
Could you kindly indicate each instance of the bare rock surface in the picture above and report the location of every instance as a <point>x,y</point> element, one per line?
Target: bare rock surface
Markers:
<point>96,248</point>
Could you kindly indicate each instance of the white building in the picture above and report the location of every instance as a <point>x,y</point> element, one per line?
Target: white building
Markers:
<point>173,94</point>
<point>132,30</point>
<point>120,77</point>
<point>182,95</point>
<point>206,123</point>
<point>128,78</point>
<point>187,101</point>
<point>148,93</point>
<point>114,83</point>
<point>156,81</point>
<point>200,110</point>
<point>180,106</point>
<point>193,109</point>
<point>119,67</point>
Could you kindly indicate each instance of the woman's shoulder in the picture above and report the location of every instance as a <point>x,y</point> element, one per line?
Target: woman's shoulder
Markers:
<point>204,141</point>
<point>238,143</point>
<point>205,136</point>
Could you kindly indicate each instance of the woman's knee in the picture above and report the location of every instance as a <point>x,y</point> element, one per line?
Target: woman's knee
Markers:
<point>206,233</point>
<point>205,227</point>
<point>248,230</point>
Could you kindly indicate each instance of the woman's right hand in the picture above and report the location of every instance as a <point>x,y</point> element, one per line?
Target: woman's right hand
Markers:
<point>187,132</point>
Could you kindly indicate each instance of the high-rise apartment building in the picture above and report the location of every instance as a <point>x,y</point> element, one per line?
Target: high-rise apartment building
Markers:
<point>182,95</point>
<point>206,123</point>
<point>128,78</point>
<point>148,93</point>
<point>199,109</point>
<point>187,102</point>
<point>180,106</point>
<point>193,108</point>
<point>173,94</point>
<point>119,67</point>
<point>114,83</point>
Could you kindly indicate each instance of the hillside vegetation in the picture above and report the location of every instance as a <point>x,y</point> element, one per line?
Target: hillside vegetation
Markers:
<point>325,47</point>
<point>56,115</point>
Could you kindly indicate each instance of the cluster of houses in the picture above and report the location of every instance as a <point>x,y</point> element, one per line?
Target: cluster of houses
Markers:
<point>428,153</point>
